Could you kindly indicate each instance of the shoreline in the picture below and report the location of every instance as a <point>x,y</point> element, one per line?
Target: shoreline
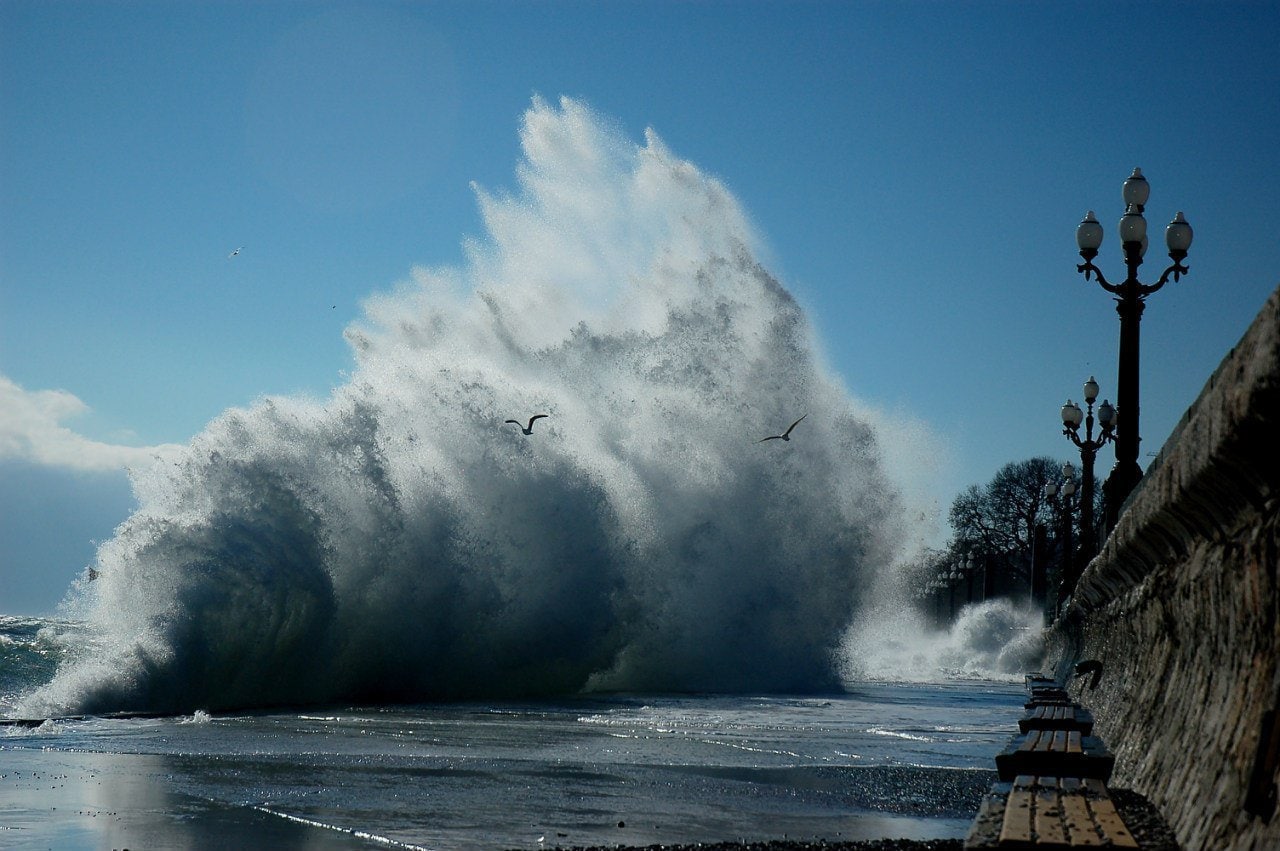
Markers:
<point>75,800</point>
<point>84,800</point>
<point>78,800</point>
<point>71,796</point>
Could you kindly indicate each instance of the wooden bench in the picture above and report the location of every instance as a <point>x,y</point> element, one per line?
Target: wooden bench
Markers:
<point>1057,716</point>
<point>1042,689</point>
<point>1047,694</point>
<point>1055,753</point>
<point>1035,812</point>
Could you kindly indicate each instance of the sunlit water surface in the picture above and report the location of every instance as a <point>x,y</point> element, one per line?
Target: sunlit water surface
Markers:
<point>888,759</point>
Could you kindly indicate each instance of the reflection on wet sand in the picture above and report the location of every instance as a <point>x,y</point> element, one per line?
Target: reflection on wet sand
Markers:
<point>73,800</point>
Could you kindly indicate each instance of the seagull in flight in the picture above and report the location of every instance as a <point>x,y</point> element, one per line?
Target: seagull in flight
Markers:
<point>529,428</point>
<point>786,435</point>
<point>234,253</point>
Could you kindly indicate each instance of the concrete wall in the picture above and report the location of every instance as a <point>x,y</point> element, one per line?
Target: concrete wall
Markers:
<point>1182,608</point>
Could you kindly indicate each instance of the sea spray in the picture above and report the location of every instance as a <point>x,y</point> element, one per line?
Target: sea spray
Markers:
<point>400,541</point>
<point>998,639</point>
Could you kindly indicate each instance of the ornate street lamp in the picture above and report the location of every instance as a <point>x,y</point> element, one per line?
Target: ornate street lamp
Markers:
<point>953,581</point>
<point>1053,490</point>
<point>971,568</point>
<point>1130,300</point>
<point>967,572</point>
<point>1072,416</point>
<point>939,585</point>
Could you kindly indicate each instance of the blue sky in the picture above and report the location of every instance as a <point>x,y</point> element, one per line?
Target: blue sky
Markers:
<point>916,171</point>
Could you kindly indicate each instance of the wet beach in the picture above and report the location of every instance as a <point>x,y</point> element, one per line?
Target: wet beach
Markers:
<point>72,800</point>
<point>81,800</point>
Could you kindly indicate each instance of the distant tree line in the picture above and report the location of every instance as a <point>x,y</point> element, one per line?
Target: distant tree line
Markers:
<point>1008,538</point>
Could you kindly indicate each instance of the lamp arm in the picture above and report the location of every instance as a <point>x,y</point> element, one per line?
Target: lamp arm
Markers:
<point>1087,269</point>
<point>1177,270</point>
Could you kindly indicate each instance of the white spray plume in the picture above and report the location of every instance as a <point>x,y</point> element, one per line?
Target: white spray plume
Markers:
<point>401,541</point>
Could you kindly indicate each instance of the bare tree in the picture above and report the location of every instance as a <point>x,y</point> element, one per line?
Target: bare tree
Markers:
<point>999,519</point>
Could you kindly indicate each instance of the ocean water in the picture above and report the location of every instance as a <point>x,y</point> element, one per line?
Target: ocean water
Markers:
<point>400,541</point>
<point>879,759</point>
<point>389,616</point>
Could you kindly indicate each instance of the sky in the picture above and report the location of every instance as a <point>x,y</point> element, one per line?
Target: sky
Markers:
<point>915,171</point>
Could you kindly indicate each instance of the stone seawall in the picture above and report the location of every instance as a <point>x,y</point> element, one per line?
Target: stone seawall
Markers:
<point>1182,608</point>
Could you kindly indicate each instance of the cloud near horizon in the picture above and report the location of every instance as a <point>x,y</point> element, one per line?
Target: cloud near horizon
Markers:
<point>31,430</point>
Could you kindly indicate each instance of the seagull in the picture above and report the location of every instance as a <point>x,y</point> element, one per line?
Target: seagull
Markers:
<point>234,253</point>
<point>529,428</point>
<point>786,435</point>
<point>1087,667</point>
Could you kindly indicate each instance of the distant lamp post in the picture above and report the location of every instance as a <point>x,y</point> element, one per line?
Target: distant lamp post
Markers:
<point>1130,299</point>
<point>976,569</point>
<point>1060,496</point>
<point>1072,416</point>
<point>939,586</point>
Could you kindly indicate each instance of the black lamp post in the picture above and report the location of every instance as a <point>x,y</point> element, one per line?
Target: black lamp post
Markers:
<point>1071,418</point>
<point>953,581</point>
<point>979,574</point>
<point>1130,299</point>
<point>1065,490</point>
<point>936,587</point>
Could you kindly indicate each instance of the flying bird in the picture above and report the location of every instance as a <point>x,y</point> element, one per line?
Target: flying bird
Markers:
<point>529,428</point>
<point>234,253</point>
<point>786,435</point>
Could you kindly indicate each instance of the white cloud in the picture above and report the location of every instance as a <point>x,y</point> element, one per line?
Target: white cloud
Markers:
<point>31,430</point>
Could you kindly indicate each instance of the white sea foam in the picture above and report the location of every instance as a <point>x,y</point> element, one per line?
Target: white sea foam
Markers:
<point>995,639</point>
<point>399,540</point>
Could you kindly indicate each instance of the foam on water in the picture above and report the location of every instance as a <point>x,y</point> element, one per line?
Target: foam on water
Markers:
<point>995,639</point>
<point>399,541</point>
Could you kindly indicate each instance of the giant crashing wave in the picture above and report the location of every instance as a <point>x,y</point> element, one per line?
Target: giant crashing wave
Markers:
<point>399,541</point>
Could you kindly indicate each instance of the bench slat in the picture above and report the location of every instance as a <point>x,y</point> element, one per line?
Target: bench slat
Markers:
<point>1112,826</point>
<point>1105,815</point>
<point>1017,812</point>
<point>1093,787</point>
<point>1081,830</point>
<point>984,833</point>
<point>1050,829</point>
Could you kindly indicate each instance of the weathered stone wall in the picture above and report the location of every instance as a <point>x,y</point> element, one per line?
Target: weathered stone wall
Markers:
<point>1182,608</point>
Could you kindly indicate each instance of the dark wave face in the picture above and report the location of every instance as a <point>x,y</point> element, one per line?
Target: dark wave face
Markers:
<point>400,541</point>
